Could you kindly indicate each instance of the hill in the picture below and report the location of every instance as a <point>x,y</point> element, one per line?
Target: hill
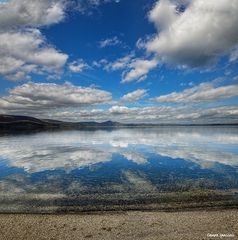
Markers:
<point>14,124</point>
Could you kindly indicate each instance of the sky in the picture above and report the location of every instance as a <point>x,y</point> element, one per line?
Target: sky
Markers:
<point>141,61</point>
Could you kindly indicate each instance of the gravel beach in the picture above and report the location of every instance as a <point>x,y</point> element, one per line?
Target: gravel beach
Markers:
<point>125,225</point>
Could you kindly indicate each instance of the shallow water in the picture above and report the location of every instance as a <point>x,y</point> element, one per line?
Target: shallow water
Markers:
<point>153,168</point>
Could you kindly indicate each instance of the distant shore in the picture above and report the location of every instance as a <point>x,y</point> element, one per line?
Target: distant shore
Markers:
<point>18,124</point>
<point>135,225</point>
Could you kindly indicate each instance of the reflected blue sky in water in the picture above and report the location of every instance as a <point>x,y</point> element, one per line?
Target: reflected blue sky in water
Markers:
<point>123,160</point>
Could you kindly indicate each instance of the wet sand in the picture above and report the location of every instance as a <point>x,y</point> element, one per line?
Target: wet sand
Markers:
<point>125,225</point>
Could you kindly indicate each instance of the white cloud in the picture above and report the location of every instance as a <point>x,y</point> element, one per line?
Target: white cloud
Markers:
<point>135,95</point>
<point>201,93</point>
<point>28,52</point>
<point>87,6</point>
<point>141,42</point>
<point>74,103</point>
<point>18,76</point>
<point>234,55</point>
<point>118,64</point>
<point>15,13</point>
<point>163,14</point>
<point>197,36</point>
<point>35,98</point>
<point>78,66</point>
<point>139,69</point>
<point>119,110</point>
<point>9,64</point>
<point>23,49</point>
<point>114,41</point>
<point>134,69</point>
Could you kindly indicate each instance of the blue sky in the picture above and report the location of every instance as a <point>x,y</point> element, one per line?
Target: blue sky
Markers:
<point>130,61</point>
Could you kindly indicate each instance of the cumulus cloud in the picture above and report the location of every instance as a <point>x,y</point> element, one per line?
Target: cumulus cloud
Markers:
<point>163,14</point>
<point>35,98</point>
<point>27,52</point>
<point>133,69</point>
<point>78,66</point>
<point>138,70</point>
<point>119,110</point>
<point>9,64</point>
<point>74,103</point>
<point>15,13</point>
<point>201,93</point>
<point>196,36</point>
<point>135,95</point>
<point>119,64</point>
<point>23,49</point>
<point>18,76</point>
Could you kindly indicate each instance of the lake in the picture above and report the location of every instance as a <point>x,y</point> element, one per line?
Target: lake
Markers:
<point>163,168</point>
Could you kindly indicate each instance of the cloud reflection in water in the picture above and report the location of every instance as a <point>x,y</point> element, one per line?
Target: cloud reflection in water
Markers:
<point>69,150</point>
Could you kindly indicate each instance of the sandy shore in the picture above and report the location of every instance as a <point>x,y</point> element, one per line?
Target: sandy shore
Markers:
<point>126,225</point>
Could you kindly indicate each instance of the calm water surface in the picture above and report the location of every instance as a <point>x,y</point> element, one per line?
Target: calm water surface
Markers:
<point>156,168</point>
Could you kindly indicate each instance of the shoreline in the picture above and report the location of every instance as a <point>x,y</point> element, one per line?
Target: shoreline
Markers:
<point>167,201</point>
<point>128,225</point>
<point>115,212</point>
